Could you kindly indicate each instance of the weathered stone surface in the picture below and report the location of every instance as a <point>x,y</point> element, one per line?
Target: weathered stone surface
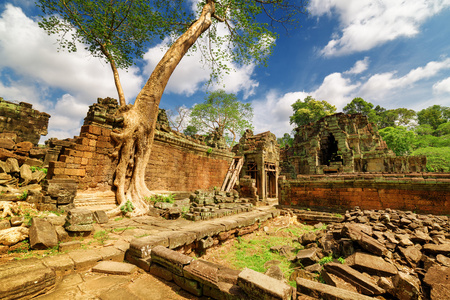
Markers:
<point>438,278</point>
<point>324,291</point>
<point>161,272</point>
<point>25,174</point>
<point>111,253</point>
<point>443,260</point>
<point>337,282</point>
<point>363,283</point>
<point>25,279</point>
<point>85,259</point>
<point>61,233</point>
<point>63,190</point>
<point>202,271</point>
<point>355,233</point>
<point>371,264</point>
<point>61,264</point>
<point>42,234</point>
<point>114,267</point>
<point>307,257</point>
<point>275,272</point>
<point>13,235</point>
<point>260,286</point>
<point>141,247</point>
<point>68,246</point>
<point>170,259</point>
<point>411,254</point>
<point>437,249</point>
<point>79,219</point>
<point>100,217</point>
<point>191,286</point>
<point>4,224</point>
<point>407,287</point>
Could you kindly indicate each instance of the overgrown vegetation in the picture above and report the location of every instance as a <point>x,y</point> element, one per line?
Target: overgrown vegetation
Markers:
<point>167,198</point>
<point>34,169</point>
<point>127,207</point>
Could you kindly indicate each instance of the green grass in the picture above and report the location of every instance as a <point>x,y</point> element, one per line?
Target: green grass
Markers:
<point>123,229</point>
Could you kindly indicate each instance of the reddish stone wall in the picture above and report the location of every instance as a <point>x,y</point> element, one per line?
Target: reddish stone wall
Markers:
<point>176,164</point>
<point>420,192</point>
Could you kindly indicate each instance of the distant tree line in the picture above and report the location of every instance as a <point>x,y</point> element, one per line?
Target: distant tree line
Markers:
<point>405,131</point>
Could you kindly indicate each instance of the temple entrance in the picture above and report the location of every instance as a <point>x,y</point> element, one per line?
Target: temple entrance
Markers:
<point>329,150</point>
<point>271,180</point>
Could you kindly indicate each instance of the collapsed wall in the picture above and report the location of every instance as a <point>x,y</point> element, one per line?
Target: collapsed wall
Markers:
<point>177,163</point>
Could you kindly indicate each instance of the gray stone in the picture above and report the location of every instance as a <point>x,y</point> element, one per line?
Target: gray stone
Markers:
<point>307,238</point>
<point>324,291</point>
<point>275,272</point>
<point>202,271</point>
<point>260,286</point>
<point>61,233</point>
<point>42,234</point>
<point>114,267</point>
<point>79,219</point>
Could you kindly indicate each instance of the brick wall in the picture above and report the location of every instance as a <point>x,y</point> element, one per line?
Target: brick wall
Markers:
<point>420,192</point>
<point>176,164</point>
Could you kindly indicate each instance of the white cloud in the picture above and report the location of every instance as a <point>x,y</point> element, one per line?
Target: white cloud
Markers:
<point>442,87</point>
<point>365,24</point>
<point>336,90</point>
<point>359,67</point>
<point>379,85</point>
<point>31,55</point>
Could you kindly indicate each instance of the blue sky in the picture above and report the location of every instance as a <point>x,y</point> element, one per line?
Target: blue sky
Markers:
<point>392,53</point>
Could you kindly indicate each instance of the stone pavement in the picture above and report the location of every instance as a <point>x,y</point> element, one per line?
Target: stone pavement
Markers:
<point>70,275</point>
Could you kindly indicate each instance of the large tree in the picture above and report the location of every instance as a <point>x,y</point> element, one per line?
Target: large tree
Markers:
<point>116,30</point>
<point>310,110</point>
<point>222,112</point>
<point>434,115</point>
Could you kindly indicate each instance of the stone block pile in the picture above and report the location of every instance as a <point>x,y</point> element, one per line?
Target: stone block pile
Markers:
<point>388,253</point>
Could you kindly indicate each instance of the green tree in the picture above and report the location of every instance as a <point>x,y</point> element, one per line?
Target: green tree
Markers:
<point>310,110</point>
<point>438,158</point>
<point>434,115</point>
<point>399,139</point>
<point>116,30</point>
<point>286,140</point>
<point>223,112</point>
<point>190,130</point>
<point>358,105</point>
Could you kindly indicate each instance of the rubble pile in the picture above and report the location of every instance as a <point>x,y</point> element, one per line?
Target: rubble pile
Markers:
<point>388,253</point>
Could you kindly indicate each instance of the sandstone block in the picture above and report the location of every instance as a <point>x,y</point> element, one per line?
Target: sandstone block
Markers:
<point>42,234</point>
<point>170,259</point>
<point>260,286</point>
<point>324,291</point>
<point>79,219</point>
<point>406,286</point>
<point>114,267</point>
<point>371,264</point>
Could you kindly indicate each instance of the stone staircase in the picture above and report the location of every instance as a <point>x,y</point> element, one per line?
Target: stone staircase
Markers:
<point>95,200</point>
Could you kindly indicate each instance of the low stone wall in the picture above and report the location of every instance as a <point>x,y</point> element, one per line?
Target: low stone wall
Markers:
<point>176,164</point>
<point>419,192</point>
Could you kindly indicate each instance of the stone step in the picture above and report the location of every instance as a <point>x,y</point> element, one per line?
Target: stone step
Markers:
<point>95,200</point>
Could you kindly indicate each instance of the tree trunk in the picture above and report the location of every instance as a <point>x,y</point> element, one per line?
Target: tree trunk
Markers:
<point>135,141</point>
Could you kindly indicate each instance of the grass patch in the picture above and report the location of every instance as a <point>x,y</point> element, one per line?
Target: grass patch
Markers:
<point>123,229</point>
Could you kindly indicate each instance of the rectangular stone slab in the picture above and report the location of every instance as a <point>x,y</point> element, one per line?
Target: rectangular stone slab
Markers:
<point>319,290</point>
<point>259,286</point>
<point>114,267</point>
<point>371,264</point>
<point>362,282</point>
<point>170,259</point>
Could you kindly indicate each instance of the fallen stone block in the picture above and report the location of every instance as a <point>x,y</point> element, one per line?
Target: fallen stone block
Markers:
<point>438,278</point>
<point>85,259</point>
<point>324,291</point>
<point>189,285</point>
<point>114,267</point>
<point>60,264</point>
<point>437,249</point>
<point>170,259</point>
<point>371,264</point>
<point>307,257</point>
<point>79,220</point>
<point>42,234</point>
<point>100,217</point>
<point>363,283</point>
<point>25,279</point>
<point>406,286</point>
<point>259,286</point>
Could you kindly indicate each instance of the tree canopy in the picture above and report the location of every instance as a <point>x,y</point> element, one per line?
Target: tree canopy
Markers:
<point>222,112</point>
<point>434,116</point>
<point>358,105</point>
<point>310,110</point>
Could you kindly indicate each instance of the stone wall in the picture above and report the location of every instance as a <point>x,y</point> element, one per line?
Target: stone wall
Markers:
<point>419,192</point>
<point>343,143</point>
<point>21,122</point>
<point>177,163</point>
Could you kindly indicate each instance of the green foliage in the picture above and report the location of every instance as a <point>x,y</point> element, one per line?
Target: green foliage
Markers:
<point>190,130</point>
<point>310,110</point>
<point>101,236</point>
<point>169,198</point>
<point>127,207</point>
<point>358,105</point>
<point>424,129</point>
<point>286,140</point>
<point>341,260</point>
<point>434,116</point>
<point>116,30</point>
<point>34,169</point>
<point>209,151</point>
<point>398,139</point>
<point>222,112</point>
<point>23,196</point>
<point>325,260</point>
<point>443,129</point>
<point>438,159</point>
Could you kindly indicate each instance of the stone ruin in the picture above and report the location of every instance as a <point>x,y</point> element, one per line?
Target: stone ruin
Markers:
<point>259,176</point>
<point>342,143</point>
